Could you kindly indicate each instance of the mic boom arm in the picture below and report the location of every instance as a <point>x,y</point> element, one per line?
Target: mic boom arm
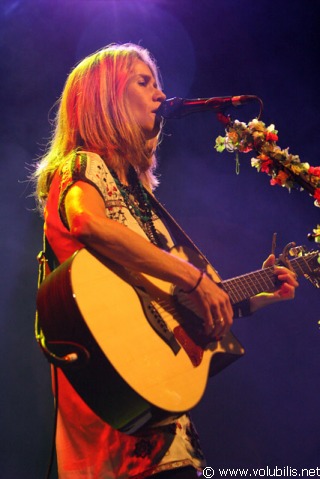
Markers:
<point>175,108</point>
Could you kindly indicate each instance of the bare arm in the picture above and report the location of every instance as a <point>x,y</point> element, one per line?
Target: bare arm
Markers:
<point>85,211</point>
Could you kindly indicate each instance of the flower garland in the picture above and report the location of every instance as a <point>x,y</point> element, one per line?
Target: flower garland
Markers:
<point>284,168</point>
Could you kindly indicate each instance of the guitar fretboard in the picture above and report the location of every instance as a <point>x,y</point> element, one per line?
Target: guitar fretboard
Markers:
<point>248,285</point>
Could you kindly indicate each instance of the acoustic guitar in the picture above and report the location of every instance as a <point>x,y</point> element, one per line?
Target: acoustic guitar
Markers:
<point>130,344</point>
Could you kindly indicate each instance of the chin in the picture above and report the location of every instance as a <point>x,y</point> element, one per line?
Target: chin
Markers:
<point>151,134</point>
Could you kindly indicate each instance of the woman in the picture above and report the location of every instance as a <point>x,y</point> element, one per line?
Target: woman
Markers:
<point>94,186</point>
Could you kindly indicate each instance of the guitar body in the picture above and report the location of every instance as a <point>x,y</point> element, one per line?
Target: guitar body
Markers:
<point>146,360</point>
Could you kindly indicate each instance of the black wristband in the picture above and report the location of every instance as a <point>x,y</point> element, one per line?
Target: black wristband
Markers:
<point>196,285</point>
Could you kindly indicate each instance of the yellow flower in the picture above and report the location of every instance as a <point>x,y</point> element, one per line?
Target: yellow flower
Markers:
<point>296,169</point>
<point>220,146</point>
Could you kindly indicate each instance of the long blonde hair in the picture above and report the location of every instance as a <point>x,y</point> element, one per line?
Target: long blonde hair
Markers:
<point>93,115</point>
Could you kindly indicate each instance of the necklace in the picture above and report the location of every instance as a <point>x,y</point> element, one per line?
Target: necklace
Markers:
<point>138,203</point>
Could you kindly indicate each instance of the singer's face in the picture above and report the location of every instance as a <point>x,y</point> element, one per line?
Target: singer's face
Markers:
<point>144,98</point>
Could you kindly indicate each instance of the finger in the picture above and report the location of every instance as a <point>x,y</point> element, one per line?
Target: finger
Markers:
<point>227,315</point>
<point>219,327</point>
<point>223,322</point>
<point>208,321</point>
<point>218,321</point>
<point>286,291</point>
<point>270,261</point>
<point>288,279</point>
<point>285,275</point>
<point>225,307</point>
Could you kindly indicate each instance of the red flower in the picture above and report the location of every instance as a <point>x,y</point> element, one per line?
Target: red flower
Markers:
<point>266,163</point>
<point>271,136</point>
<point>317,194</point>
<point>314,170</point>
<point>280,179</point>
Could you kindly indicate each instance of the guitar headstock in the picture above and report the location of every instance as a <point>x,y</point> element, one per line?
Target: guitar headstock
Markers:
<point>303,262</point>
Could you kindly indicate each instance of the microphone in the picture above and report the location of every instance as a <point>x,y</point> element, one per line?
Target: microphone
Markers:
<point>180,107</point>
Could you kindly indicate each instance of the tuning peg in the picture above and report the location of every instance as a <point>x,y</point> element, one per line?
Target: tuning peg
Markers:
<point>297,251</point>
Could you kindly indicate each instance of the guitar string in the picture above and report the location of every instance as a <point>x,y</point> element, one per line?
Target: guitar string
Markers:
<point>251,284</point>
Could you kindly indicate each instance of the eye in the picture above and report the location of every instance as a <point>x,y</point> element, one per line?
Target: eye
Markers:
<point>144,80</point>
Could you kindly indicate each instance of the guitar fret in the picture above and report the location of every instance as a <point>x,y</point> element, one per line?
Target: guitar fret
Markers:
<point>248,285</point>
<point>239,289</point>
<point>300,263</point>
<point>267,279</point>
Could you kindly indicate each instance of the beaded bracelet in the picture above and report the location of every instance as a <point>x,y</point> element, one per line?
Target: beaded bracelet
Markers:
<point>196,285</point>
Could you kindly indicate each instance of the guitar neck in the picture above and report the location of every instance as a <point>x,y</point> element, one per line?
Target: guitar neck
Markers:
<point>248,285</point>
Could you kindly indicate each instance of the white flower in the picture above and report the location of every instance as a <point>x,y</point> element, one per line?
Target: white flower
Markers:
<point>240,123</point>
<point>255,162</point>
<point>229,145</point>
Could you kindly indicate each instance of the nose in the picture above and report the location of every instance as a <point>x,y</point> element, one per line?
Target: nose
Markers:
<point>159,95</point>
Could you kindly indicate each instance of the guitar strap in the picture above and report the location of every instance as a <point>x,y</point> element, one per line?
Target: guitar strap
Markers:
<point>53,262</point>
<point>180,237</point>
